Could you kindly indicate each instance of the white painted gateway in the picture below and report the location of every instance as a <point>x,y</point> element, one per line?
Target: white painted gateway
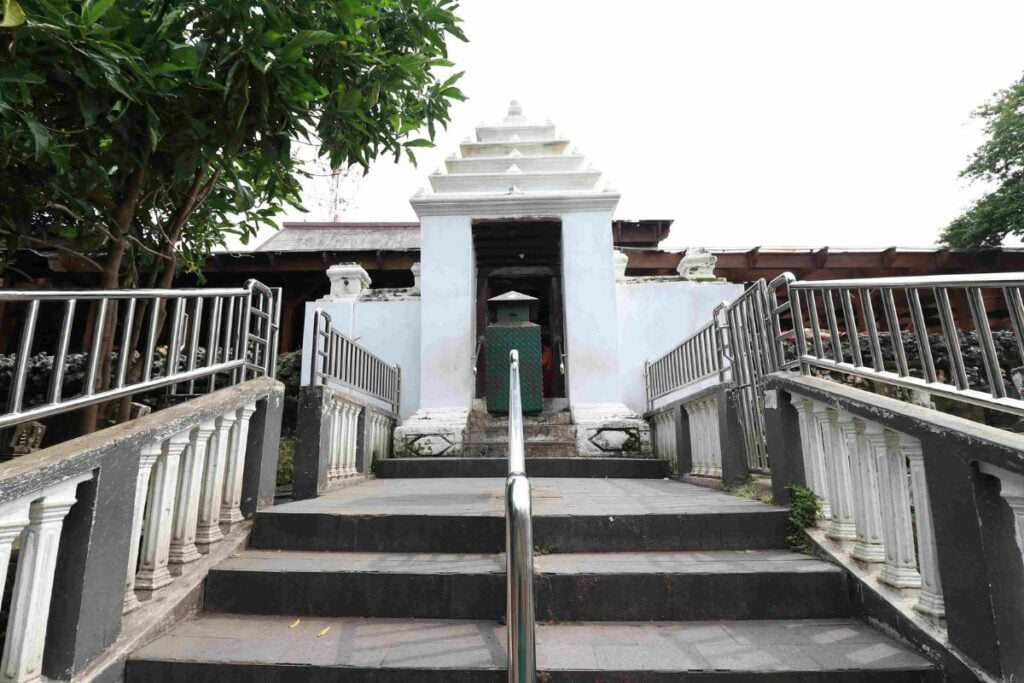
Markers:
<point>519,209</point>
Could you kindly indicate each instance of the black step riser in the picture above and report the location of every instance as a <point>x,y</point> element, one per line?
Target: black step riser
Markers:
<point>426,468</point>
<point>690,597</point>
<point>462,534</point>
<point>586,597</point>
<point>197,672</point>
<point>357,594</point>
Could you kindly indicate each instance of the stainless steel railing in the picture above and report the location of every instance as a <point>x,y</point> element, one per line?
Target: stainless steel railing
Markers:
<point>699,357</point>
<point>894,317</point>
<point>522,650</point>
<point>160,338</point>
<point>338,360</point>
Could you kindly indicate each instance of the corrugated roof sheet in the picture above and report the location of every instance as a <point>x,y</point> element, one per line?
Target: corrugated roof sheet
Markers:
<point>345,237</point>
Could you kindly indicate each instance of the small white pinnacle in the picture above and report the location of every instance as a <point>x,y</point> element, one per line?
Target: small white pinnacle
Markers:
<point>515,137</point>
<point>515,153</point>
<point>513,169</point>
<point>515,112</point>
<point>514,190</point>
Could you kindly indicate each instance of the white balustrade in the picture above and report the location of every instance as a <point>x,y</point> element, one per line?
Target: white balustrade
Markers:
<point>208,525</point>
<point>148,457</point>
<point>35,519</point>
<point>156,538</point>
<point>867,441</point>
<point>705,440</point>
<point>352,440</point>
<point>810,445</point>
<point>186,508</point>
<point>186,485</point>
<point>900,569</point>
<point>665,435</point>
<point>231,503</point>
<point>840,479</point>
<point>332,439</point>
<point>929,600</point>
<point>873,479</point>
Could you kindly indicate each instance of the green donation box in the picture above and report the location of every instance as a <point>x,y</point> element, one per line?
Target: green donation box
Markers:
<point>513,330</point>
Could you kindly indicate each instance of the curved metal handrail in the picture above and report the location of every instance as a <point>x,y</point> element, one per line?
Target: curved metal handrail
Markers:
<point>522,650</point>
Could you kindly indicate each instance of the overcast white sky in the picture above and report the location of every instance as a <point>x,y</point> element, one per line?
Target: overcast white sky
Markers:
<point>749,122</point>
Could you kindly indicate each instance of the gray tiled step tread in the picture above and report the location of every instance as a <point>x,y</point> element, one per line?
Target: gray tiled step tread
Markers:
<point>250,647</point>
<point>466,515</point>
<point>683,562</point>
<point>556,496</point>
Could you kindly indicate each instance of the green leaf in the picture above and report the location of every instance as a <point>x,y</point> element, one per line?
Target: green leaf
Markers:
<point>40,135</point>
<point>420,142</point>
<point>93,11</point>
<point>19,74</point>
<point>13,14</point>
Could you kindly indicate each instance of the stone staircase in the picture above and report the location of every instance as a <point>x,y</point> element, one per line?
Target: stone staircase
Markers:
<point>636,579</point>
<point>548,434</point>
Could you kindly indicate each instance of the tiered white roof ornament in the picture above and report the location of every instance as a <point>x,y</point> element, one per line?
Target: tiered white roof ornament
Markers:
<point>516,157</point>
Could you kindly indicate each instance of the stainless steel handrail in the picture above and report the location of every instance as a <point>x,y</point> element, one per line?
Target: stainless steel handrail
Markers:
<point>522,647</point>
<point>337,359</point>
<point>840,313</point>
<point>240,324</point>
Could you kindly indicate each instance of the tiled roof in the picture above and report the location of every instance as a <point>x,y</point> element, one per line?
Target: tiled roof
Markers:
<point>345,237</point>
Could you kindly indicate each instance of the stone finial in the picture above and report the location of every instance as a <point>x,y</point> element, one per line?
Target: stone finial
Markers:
<point>620,259</point>
<point>698,264</point>
<point>515,112</point>
<point>415,268</point>
<point>348,280</point>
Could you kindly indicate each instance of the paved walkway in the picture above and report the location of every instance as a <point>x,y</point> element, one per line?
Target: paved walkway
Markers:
<point>551,497</point>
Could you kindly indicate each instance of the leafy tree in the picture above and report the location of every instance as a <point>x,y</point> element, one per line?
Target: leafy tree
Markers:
<point>138,134</point>
<point>1000,161</point>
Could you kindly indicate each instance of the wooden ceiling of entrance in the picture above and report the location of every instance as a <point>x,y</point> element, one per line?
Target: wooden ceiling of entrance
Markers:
<point>517,244</point>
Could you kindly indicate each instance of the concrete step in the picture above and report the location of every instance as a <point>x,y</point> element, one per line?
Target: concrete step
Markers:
<point>271,649</point>
<point>477,418</point>
<point>620,468</point>
<point>466,515</point>
<point>679,586</point>
<point>555,432</point>
<point>534,449</point>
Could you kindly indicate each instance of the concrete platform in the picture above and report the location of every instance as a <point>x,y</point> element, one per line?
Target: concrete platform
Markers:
<point>569,515</point>
<point>218,647</point>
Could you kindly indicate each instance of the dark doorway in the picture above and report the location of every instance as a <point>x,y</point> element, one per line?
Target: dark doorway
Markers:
<point>523,256</point>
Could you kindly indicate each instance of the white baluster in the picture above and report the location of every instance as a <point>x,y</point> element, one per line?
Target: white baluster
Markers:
<point>900,570</point>
<point>353,441</point>
<point>150,452</point>
<point>866,440</point>
<point>190,487</point>
<point>13,520</point>
<point>335,447</point>
<point>716,442</point>
<point>840,479</point>
<point>813,456</point>
<point>231,504</point>
<point>156,537</point>
<point>33,584</point>
<point>208,528</point>
<point>694,423</point>
<point>929,600</point>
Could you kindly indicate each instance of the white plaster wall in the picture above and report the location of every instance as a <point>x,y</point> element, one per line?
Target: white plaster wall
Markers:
<point>656,315</point>
<point>448,295</point>
<point>388,328</point>
<point>589,288</point>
